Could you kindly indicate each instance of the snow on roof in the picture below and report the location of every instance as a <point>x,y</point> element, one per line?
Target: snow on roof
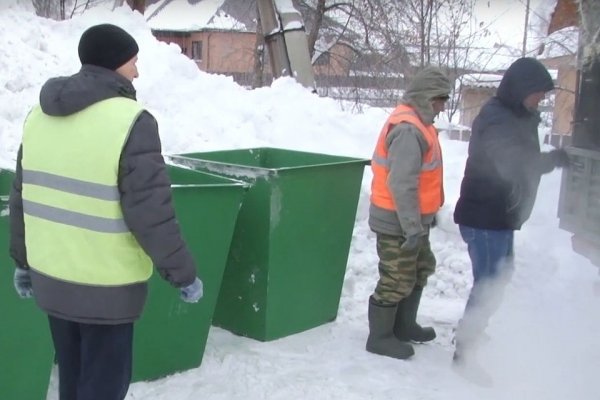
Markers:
<point>484,80</point>
<point>495,58</point>
<point>561,43</point>
<point>181,15</point>
<point>224,21</point>
<point>285,6</point>
<point>481,80</point>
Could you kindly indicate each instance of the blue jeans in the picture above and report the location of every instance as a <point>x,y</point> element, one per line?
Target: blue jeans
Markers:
<point>491,254</point>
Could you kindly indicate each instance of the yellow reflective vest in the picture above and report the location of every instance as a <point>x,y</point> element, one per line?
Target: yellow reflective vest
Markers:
<point>74,226</point>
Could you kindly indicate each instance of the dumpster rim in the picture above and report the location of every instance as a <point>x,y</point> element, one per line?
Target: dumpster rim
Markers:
<point>186,157</point>
<point>233,182</point>
<point>208,185</point>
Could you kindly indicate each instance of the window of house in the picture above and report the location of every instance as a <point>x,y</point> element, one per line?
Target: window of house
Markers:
<point>197,50</point>
<point>323,59</point>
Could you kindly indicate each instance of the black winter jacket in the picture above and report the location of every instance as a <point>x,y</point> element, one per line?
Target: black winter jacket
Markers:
<point>504,163</point>
<point>145,201</point>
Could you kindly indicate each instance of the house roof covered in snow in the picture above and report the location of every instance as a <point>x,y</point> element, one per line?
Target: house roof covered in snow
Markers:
<point>485,80</point>
<point>192,15</point>
<point>563,42</point>
<point>495,58</point>
<point>480,80</point>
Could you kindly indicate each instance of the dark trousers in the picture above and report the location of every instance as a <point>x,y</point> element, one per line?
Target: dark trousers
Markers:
<point>491,254</point>
<point>94,361</point>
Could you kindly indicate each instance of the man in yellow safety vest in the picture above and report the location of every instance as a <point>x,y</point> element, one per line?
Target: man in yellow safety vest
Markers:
<point>91,212</point>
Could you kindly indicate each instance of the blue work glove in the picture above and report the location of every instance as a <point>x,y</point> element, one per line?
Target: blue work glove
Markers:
<point>192,292</point>
<point>22,282</point>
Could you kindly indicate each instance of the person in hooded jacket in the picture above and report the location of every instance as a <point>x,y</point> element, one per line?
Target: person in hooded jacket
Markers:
<point>498,190</point>
<point>91,213</point>
<point>406,193</point>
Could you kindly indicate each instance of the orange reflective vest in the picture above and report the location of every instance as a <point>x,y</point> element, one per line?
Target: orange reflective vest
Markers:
<point>431,193</point>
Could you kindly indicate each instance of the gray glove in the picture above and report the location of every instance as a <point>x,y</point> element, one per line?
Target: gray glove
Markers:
<point>22,282</point>
<point>192,292</point>
<point>411,242</point>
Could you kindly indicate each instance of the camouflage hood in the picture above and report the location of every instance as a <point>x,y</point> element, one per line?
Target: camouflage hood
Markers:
<point>428,83</point>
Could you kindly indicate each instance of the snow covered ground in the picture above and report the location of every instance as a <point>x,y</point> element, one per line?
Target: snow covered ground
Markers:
<point>544,338</point>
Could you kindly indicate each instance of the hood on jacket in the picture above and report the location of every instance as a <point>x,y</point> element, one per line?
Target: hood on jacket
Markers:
<point>64,96</point>
<point>524,77</point>
<point>429,83</point>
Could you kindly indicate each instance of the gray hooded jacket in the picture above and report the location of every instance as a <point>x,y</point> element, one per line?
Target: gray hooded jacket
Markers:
<point>145,201</point>
<point>406,148</point>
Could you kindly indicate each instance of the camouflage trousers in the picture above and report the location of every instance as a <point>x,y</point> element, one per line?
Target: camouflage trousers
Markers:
<point>400,270</point>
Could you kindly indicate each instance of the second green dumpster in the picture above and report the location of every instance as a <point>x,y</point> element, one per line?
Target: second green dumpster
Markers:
<point>171,335</point>
<point>25,346</point>
<point>290,247</point>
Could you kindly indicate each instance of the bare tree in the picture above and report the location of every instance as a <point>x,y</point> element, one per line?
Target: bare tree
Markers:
<point>336,44</point>
<point>453,40</point>
<point>423,14</point>
<point>79,6</point>
<point>316,26</point>
<point>63,9</point>
<point>54,9</point>
<point>401,37</point>
<point>137,5</point>
<point>382,43</point>
<point>314,13</point>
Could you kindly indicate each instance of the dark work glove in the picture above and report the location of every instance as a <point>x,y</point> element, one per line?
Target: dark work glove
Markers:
<point>560,158</point>
<point>193,292</point>
<point>22,282</point>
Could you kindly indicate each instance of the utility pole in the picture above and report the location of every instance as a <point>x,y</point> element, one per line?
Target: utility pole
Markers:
<point>524,49</point>
<point>283,30</point>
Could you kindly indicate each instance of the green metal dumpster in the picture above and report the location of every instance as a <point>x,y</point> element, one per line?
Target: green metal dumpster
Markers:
<point>171,335</point>
<point>289,251</point>
<point>26,350</point>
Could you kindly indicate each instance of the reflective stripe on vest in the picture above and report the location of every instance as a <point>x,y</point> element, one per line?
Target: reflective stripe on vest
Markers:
<point>74,225</point>
<point>430,190</point>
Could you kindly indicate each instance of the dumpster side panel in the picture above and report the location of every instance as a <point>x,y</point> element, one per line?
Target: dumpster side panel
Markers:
<point>171,335</point>
<point>26,349</point>
<point>241,307</point>
<point>312,220</point>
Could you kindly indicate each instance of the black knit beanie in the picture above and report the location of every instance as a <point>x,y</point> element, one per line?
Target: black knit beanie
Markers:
<point>106,46</point>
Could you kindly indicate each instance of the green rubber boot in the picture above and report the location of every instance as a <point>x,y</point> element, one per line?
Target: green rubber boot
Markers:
<point>381,338</point>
